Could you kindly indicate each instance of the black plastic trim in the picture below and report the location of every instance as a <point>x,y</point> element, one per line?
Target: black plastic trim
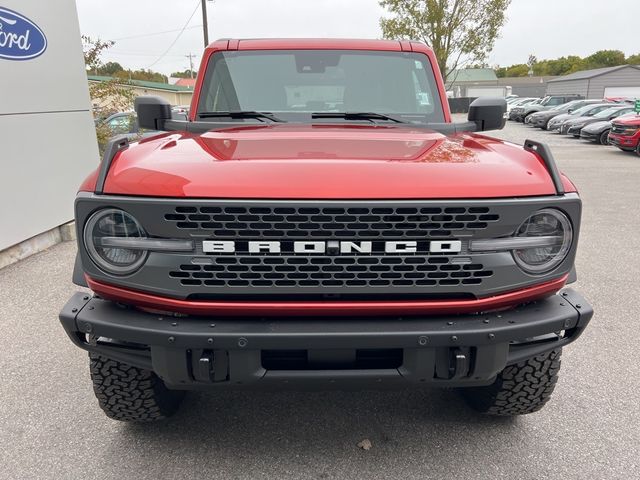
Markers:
<point>167,343</point>
<point>543,150</point>
<point>114,146</point>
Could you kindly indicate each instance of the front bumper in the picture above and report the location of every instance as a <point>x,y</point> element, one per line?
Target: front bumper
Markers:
<point>591,136</point>
<point>332,352</point>
<point>624,142</point>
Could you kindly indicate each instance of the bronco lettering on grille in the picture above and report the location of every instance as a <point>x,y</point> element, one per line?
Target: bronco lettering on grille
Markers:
<point>331,247</point>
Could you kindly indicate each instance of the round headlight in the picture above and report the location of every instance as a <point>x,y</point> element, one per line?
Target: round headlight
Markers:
<point>556,228</point>
<point>108,224</point>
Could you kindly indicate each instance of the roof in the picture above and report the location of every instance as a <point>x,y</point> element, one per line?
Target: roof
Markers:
<point>586,74</point>
<point>472,75</point>
<point>141,83</point>
<point>313,44</point>
<point>186,82</point>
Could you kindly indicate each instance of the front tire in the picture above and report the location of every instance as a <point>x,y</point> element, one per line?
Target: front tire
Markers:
<point>131,394</point>
<point>519,389</point>
<point>604,138</point>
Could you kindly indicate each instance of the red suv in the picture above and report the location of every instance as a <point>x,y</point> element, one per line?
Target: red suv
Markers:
<point>625,134</point>
<point>319,220</point>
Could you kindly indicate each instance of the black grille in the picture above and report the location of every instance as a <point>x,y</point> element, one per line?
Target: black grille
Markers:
<point>369,271</point>
<point>236,222</point>
<point>622,129</point>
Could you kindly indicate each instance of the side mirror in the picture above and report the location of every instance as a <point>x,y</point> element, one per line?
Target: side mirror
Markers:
<point>152,112</point>
<point>488,113</point>
<point>570,110</point>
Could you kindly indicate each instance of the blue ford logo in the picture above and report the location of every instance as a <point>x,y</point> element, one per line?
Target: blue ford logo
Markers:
<point>20,38</point>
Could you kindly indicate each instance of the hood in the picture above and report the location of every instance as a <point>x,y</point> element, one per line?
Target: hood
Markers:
<point>633,121</point>
<point>598,127</point>
<point>576,120</point>
<point>563,117</point>
<point>298,161</point>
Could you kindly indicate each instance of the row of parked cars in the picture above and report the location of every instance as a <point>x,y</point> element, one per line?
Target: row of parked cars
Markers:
<point>604,121</point>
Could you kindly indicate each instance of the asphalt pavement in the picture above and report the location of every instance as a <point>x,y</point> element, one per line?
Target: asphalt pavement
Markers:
<point>51,426</point>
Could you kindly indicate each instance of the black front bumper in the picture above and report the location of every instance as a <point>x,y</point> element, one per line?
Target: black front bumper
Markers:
<point>196,352</point>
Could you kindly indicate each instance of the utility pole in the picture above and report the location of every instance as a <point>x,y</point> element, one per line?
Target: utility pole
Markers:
<point>205,23</point>
<point>190,57</point>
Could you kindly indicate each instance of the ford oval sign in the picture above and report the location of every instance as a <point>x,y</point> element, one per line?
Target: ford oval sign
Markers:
<point>20,38</point>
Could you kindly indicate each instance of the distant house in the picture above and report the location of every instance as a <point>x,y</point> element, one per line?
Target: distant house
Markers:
<point>462,80</point>
<point>621,81</point>
<point>476,82</point>
<point>186,82</point>
<point>174,94</point>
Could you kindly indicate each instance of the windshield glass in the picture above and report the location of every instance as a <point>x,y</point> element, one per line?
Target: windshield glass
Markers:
<point>606,113</point>
<point>306,81</point>
<point>581,111</point>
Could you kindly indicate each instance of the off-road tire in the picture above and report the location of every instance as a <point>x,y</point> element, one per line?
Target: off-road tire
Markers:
<point>604,137</point>
<point>131,394</point>
<point>519,389</point>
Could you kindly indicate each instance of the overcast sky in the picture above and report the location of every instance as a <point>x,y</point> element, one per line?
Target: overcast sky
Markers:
<point>546,28</point>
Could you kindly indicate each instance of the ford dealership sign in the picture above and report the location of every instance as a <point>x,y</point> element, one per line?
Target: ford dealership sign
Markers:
<point>20,38</point>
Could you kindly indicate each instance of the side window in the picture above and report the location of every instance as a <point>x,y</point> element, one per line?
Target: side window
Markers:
<point>555,101</point>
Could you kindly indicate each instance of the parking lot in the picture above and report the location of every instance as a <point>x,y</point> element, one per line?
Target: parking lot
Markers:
<point>51,425</point>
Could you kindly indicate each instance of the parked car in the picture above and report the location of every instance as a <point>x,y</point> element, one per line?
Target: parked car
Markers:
<point>599,131</point>
<point>123,123</point>
<point>576,125</point>
<point>541,119</point>
<point>519,102</point>
<point>596,108</point>
<point>547,103</point>
<point>625,133</point>
<point>555,123</point>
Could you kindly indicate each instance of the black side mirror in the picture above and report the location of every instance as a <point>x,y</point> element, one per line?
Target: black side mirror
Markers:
<point>152,112</point>
<point>488,113</point>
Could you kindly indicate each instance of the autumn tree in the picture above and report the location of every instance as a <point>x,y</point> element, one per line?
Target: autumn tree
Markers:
<point>109,96</point>
<point>459,31</point>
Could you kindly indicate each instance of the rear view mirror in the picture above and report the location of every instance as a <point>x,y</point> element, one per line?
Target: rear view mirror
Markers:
<point>152,112</point>
<point>488,113</point>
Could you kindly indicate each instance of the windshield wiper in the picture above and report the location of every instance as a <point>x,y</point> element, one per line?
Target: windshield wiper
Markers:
<point>240,114</point>
<point>358,116</point>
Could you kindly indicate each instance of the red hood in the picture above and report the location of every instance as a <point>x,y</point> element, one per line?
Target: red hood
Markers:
<point>327,162</point>
<point>633,121</point>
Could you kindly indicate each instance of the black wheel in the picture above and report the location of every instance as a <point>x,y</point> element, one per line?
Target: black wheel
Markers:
<point>604,138</point>
<point>519,389</point>
<point>638,149</point>
<point>131,394</point>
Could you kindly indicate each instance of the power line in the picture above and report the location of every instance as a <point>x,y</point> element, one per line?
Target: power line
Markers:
<point>155,33</point>
<point>177,37</point>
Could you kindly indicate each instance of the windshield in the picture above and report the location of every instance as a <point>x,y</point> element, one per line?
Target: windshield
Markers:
<point>606,113</point>
<point>582,111</point>
<point>294,84</point>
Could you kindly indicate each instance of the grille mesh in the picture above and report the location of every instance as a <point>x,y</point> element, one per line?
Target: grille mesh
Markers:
<point>369,271</point>
<point>327,223</point>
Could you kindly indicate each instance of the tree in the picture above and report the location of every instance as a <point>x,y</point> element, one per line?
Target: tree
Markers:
<point>110,69</point>
<point>605,58</point>
<point>457,30</point>
<point>633,59</point>
<point>109,96</point>
<point>186,74</point>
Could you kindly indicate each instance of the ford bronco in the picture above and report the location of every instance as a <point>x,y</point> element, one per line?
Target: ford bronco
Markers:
<point>319,221</point>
